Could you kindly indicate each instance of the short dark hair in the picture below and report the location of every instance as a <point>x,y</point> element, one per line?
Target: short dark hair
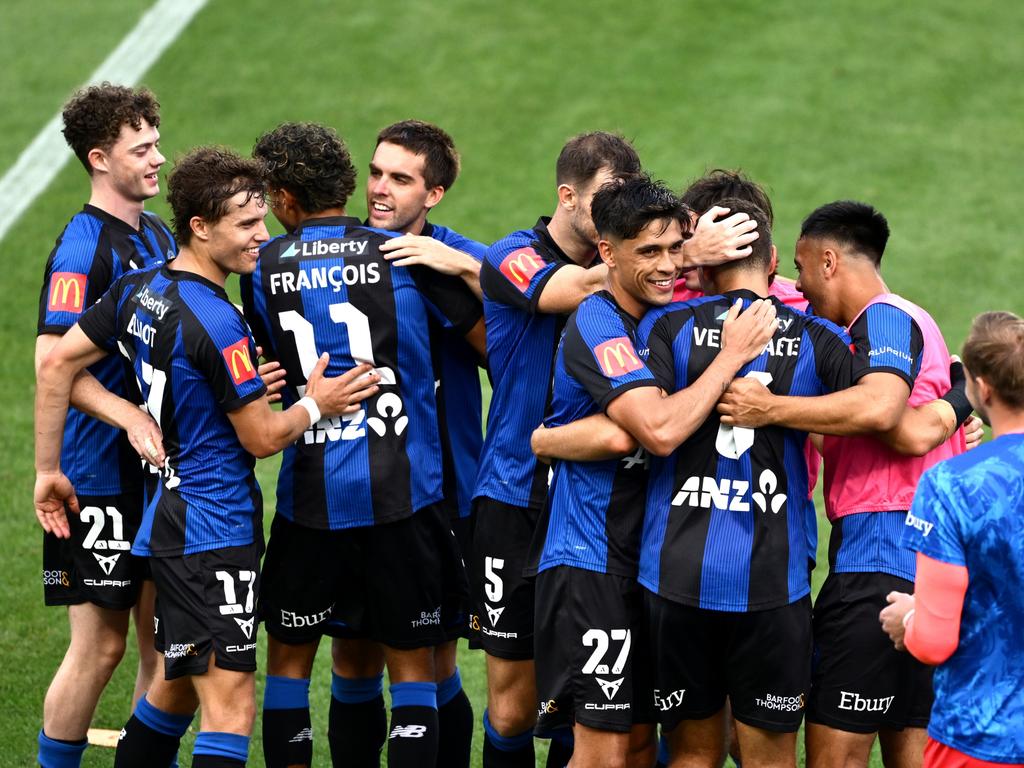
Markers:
<point>440,158</point>
<point>587,153</point>
<point>93,117</point>
<point>714,186</point>
<point>994,350</point>
<point>310,161</point>
<point>850,223</point>
<point>761,249</point>
<point>203,182</point>
<point>622,209</point>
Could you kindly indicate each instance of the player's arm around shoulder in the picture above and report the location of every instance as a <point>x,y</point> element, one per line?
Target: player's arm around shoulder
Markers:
<point>662,422</point>
<point>592,438</point>
<point>263,431</point>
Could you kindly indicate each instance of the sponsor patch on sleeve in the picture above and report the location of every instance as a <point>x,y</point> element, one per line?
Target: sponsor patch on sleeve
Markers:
<point>67,292</point>
<point>240,366</point>
<point>617,357</point>
<point>520,266</point>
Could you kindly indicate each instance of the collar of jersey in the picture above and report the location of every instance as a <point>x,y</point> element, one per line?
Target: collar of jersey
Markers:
<point>184,274</point>
<point>329,221</point>
<point>111,220</point>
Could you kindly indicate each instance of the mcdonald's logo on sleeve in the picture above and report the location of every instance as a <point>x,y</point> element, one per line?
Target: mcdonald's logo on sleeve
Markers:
<point>520,266</point>
<point>617,357</point>
<point>239,364</point>
<point>67,292</point>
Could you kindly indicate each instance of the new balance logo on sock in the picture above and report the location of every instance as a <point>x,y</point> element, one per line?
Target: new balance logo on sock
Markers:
<point>121,735</point>
<point>408,731</point>
<point>306,734</point>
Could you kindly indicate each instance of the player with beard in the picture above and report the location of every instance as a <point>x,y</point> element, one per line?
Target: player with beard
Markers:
<point>861,686</point>
<point>114,132</point>
<point>191,355</point>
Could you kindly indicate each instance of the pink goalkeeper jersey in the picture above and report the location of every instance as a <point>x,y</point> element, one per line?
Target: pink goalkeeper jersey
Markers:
<point>891,335</point>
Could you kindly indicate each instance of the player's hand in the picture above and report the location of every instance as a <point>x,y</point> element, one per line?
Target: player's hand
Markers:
<point>744,335</point>
<point>146,438</point>
<point>746,403</point>
<point>407,250</point>
<point>273,376</point>
<point>974,432</point>
<point>51,493</point>
<point>893,616</point>
<point>537,444</point>
<point>718,238</point>
<point>341,394</point>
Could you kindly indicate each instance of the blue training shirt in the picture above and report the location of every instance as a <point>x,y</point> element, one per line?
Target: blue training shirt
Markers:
<point>969,511</point>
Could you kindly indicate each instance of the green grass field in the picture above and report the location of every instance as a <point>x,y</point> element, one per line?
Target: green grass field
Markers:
<point>915,107</point>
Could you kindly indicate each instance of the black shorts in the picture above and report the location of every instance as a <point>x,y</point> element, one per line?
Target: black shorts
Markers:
<point>859,681</point>
<point>96,565</point>
<point>402,583</point>
<point>206,603</point>
<point>502,597</point>
<point>760,660</point>
<point>592,664</point>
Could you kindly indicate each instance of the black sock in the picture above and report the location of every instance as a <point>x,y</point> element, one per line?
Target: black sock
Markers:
<point>507,751</point>
<point>560,750</point>
<point>287,732</point>
<point>455,724</point>
<point>358,722</point>
<point>150,737</point>
<point>412,741</point>
<point>216,761</point>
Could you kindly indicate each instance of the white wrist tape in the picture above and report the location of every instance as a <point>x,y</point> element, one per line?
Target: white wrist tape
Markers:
<point>311,408</point>
<point>906,619</point>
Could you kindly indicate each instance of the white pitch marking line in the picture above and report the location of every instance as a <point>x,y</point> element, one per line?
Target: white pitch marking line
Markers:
<point>44,158</point>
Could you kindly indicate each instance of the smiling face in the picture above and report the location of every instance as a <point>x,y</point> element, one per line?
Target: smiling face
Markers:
<point>397,196</point>
<point>132,163</point>
<point>643,270</point>
<point>234,240</point>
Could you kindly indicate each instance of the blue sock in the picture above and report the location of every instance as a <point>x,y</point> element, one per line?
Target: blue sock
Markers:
<point>162,722</point>
<point>54,753</point>
<point>357,721</point>
<point>449,688</point>
<point>286,693</point>
<point>506,751</point>
<point>356,690</point>
<point>412,741</point>
<point>231,745</point>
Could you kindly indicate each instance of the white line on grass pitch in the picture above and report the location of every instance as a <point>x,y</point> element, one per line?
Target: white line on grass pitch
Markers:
<point>44,158</point>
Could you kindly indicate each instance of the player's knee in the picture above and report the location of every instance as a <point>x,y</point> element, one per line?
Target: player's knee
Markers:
<point>103,652</point>
<point>509,717</point>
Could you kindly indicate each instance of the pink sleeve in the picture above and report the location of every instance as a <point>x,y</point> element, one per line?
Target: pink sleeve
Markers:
<point>933,632</point>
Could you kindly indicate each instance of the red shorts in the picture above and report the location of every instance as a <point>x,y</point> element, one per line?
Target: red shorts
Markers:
<point>938,755</point>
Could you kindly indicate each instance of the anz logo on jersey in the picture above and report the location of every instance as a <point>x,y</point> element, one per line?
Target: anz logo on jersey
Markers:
<point>731,495</point>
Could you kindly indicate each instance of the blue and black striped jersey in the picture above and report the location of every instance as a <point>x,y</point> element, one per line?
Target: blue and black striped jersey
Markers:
<point>328,288</point>
<point>193,359</point>
<point>95,249</point>
<point>595,509</point>
<point>726,525</point>
<point>459,402</point>
<point>521,344</point>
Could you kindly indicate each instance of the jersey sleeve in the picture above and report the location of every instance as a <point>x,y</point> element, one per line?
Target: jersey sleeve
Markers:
<point>832,356</point>
<point>886,339</point>
<point>448,299</point>
<point>458,242</point>
<point>514,273</point>
<point>99,322</point>
<point>660,341</point>
<point>224,351</point>
<point>74,279</point>
<point>931,526</point>
<point>600,355</point>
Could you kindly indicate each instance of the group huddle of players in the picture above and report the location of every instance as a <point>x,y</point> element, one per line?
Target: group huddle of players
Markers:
<point>631,545</point>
